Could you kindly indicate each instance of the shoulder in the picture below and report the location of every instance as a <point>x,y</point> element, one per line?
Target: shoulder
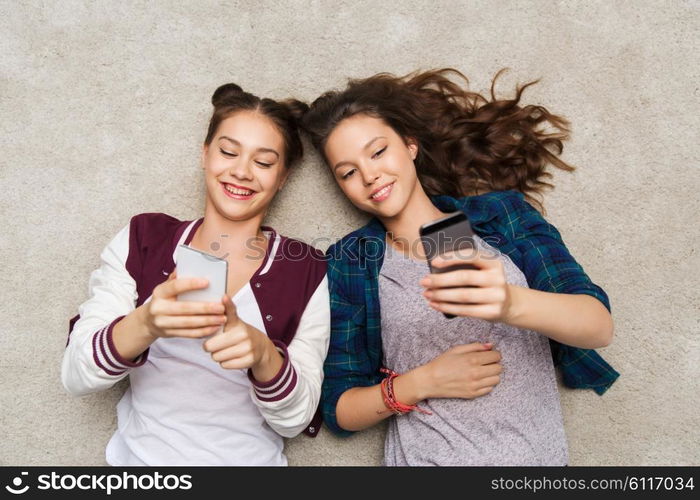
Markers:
<point>156,228</point>
<point>155,221</point>
<point>298,257</point>
<point>366,239</point>
<point>508,212</point>
<point>350,241</point>
<point>145,228</point>
<point>489,210</point>
<point>298,250</point>
<point>498,202</point>
<point>152,240</point>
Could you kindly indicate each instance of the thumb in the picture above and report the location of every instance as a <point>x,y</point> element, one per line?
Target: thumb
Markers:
<point>230,311</point>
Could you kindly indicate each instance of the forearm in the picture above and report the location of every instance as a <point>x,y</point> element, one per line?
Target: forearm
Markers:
<point>270,363</point>
<point>362,407</point>
<point>288,400</point>
<point>131,336</point>
<point>577,320</point>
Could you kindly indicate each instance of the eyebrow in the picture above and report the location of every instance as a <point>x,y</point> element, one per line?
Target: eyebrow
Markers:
<point>369,143</point>
<point>236,143</point>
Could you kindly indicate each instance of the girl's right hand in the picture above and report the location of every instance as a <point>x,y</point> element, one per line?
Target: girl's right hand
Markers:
<point>464,371</point>
<point>164,316</point>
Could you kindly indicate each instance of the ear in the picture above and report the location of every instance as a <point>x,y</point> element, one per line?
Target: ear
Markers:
<point>283,180</point>
<point>412,146</point>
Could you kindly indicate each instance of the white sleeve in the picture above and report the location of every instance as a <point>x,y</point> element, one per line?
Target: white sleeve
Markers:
<point>91,362</point>
<point>289,401</point>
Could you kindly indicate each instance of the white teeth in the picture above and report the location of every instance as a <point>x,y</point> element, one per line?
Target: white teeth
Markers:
<point>241,192</point>
<point>382,192</point>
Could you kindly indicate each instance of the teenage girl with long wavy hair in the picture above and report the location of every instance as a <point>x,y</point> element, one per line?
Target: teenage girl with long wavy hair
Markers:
<point>478,389</point>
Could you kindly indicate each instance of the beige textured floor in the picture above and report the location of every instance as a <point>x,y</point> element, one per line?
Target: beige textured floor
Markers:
<point>104,105</point>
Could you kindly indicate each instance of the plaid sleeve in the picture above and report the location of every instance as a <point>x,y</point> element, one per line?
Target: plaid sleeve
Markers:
<point>348,363</point>
<point>546,262</point>
<point>548,266</point>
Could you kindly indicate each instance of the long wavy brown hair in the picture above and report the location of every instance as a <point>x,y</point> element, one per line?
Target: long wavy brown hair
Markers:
<point>467,144</point>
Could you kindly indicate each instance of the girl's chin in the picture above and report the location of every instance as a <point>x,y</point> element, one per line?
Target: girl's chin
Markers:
<point>236,210</point>
<point>383,212</point>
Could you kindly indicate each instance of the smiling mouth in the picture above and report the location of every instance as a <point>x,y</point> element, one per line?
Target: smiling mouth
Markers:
<point>238,192</point>
<point>382,193</point>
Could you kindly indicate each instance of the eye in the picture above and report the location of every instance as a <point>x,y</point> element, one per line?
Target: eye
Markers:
<point>348,174</point>
<point>226,153</point>
<point>263,164</point>
<point>379,153</point>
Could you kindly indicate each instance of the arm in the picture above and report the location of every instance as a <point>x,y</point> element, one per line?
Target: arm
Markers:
<point>289,407</point>
<point>352,398</point>
<point>286,380</point>
<point>112,337</point>
<point>349,363</point>
<point>575,320</point>
<point>164,316</point>
<point>561,303</point>
<point>569,308</point>
<point>91,362</point>
<point>465,371</point>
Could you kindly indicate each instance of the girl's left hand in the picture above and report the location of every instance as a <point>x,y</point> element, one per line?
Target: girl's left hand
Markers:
<point>240,345</point>
<point>478,293</point>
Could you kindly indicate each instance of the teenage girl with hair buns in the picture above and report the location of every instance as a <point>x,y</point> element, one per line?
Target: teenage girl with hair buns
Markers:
<point>194,397</point>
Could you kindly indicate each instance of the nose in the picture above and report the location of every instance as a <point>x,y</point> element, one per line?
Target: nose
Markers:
<point>369,175</point>
<point>241,169</point>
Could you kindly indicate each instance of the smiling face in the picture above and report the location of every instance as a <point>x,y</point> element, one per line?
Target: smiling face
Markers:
<point>244,166</point>
<point>373,165</point>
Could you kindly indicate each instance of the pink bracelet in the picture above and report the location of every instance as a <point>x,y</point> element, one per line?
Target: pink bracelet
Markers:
<point>390,401</point>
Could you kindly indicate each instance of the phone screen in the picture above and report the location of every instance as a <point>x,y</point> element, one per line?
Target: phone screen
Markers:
<point>452,232</point>
<point>193,263</point>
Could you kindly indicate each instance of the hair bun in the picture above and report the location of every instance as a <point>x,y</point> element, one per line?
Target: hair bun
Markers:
<point>224,93</point>
<point>296,108</point>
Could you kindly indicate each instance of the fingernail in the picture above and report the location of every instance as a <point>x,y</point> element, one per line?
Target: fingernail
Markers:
<point>426,282</point>
<point>427,294</point>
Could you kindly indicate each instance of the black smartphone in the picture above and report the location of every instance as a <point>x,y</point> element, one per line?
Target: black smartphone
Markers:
<point>449,233</point>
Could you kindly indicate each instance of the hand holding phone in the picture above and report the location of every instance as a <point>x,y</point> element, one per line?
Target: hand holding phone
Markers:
<point>483,294</point>
<point>450,233</point>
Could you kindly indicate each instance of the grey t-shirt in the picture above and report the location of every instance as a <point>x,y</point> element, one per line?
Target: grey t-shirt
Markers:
<point>518,423</point>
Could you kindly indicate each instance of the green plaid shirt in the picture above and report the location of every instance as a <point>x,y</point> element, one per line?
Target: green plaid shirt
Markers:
<point>504,220</point>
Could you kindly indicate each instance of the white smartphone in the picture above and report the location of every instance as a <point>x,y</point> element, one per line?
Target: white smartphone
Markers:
<point>192,263</point>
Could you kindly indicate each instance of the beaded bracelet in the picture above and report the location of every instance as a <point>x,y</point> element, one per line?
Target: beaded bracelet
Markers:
<point>390,401</point>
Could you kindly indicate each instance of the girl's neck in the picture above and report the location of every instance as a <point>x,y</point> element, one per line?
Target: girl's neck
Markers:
<point>235,239</point>
<point>403,228</point>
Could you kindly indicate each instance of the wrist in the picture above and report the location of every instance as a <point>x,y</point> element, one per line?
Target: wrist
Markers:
<point>141,317</point>
<point>412,386</point>
<point>514,305</point>
<point>269,363</point>
<point>269,352</point>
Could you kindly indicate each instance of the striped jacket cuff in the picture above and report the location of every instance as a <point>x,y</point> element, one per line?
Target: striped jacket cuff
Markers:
<point>106,355</point>
<point>281,384</point>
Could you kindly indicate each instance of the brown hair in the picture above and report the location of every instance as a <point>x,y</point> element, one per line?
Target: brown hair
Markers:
<point>467,144</point>
<point>286,115</point>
